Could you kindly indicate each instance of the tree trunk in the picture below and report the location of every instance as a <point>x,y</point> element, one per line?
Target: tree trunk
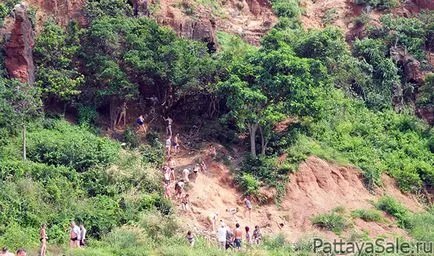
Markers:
<point>263,141</point>
<point>24,142</point>
<point>252,130</point>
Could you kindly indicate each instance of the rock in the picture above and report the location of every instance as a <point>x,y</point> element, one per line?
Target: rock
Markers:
<point>427,4</point>
<point>18,49</point>
<point>63,10</point>
<point>140,7</point>
<point>412,70</point>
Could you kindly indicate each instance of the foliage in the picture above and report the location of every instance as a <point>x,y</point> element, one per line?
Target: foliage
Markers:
<point>422,225</point>
<point>87,115</point>
<point>124,55</point>
<point>19,104</point>
<point>249,184</point>
<point>330,15</point>
<point>368,215</point>
<point>391,206</point>
<point>55,51</point>
<point>6,7</point>
<point>286,8</point>
<point>379,4</point>
<point>131,138</point>
<point>332,221</point>
<point>81,150</point>
<point>96,9</point>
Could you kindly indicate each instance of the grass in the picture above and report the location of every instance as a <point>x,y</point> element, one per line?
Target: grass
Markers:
<point>369,215</point>
<point>393,207</point>
<point>332,221</point>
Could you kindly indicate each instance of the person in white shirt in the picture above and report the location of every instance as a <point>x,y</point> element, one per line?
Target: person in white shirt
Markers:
<point>74,235</point>
<point>186,172</point>
<point>82,235</point>
<point>221,235</point>
<point>168,146</point>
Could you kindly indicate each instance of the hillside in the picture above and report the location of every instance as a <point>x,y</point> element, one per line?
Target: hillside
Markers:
<point>321,112</point>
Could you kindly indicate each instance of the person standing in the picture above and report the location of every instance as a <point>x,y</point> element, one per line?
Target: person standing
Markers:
<point>186,173</point>
<point>190,238</point>
<point>141,123</point>
<point>185,202</point>
<point>74,236</point>
<point>82,235</point>
<point>248,207</point>
<point>176,143</point>
<point>238,234</point>
<point>248,239</point>
<point>169,126</point>
<point>43,239</point>
<point>257,235</point>
<point>221,235</point>
<point>168,146</point>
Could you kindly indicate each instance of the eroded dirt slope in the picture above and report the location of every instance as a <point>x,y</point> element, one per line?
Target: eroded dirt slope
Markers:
<point>316,188</point>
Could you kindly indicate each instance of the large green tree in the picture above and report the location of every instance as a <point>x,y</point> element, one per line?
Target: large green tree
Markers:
<point>57,72</point>
<point>270,84</point>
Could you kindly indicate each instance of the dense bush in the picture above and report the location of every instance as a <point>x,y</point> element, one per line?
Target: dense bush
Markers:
<point>81,150</point>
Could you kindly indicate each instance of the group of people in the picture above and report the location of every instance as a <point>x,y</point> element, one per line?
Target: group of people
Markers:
<point>20,252</point>
<point>77,239</point>
<point>232,239</point>
<point>77,235</point>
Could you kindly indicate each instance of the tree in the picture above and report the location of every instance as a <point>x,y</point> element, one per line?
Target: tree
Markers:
<point>57,72</point>
<point>19,104</point>
<point>267,86</point>
<point>129,57</point>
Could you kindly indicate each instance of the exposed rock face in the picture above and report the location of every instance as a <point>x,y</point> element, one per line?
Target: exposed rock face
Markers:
<point>427,4</point>
<point>412,70</point>
<point>140,7</point>
<point>18,49</point>
<point>249,19</point>
<point>63,10</point>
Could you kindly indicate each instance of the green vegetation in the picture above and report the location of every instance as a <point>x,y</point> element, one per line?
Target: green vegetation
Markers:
<point>6,7</point>
<point>301,93</point>
<point>379,4</point>
<point>391,206</point>
<point>334,221</point>
<point>368,215</point>
<point>330,16</point>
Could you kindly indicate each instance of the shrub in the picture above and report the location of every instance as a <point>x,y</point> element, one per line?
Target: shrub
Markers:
<point>331,221</point>
<point>379,4</point>
<point>422,225</point>
<point>368,215</point>
<point>391,206</point>
<point>80,150</point>
<point>286,8</point>
<point>87,115</point>
<point>131,138</point>
<point>153,155</point>
<point>248,184</point>
<point>330,15</point>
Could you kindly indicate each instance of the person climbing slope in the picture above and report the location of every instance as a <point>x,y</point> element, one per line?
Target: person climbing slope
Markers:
<point>248,207</point>
<point>169,126</point>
